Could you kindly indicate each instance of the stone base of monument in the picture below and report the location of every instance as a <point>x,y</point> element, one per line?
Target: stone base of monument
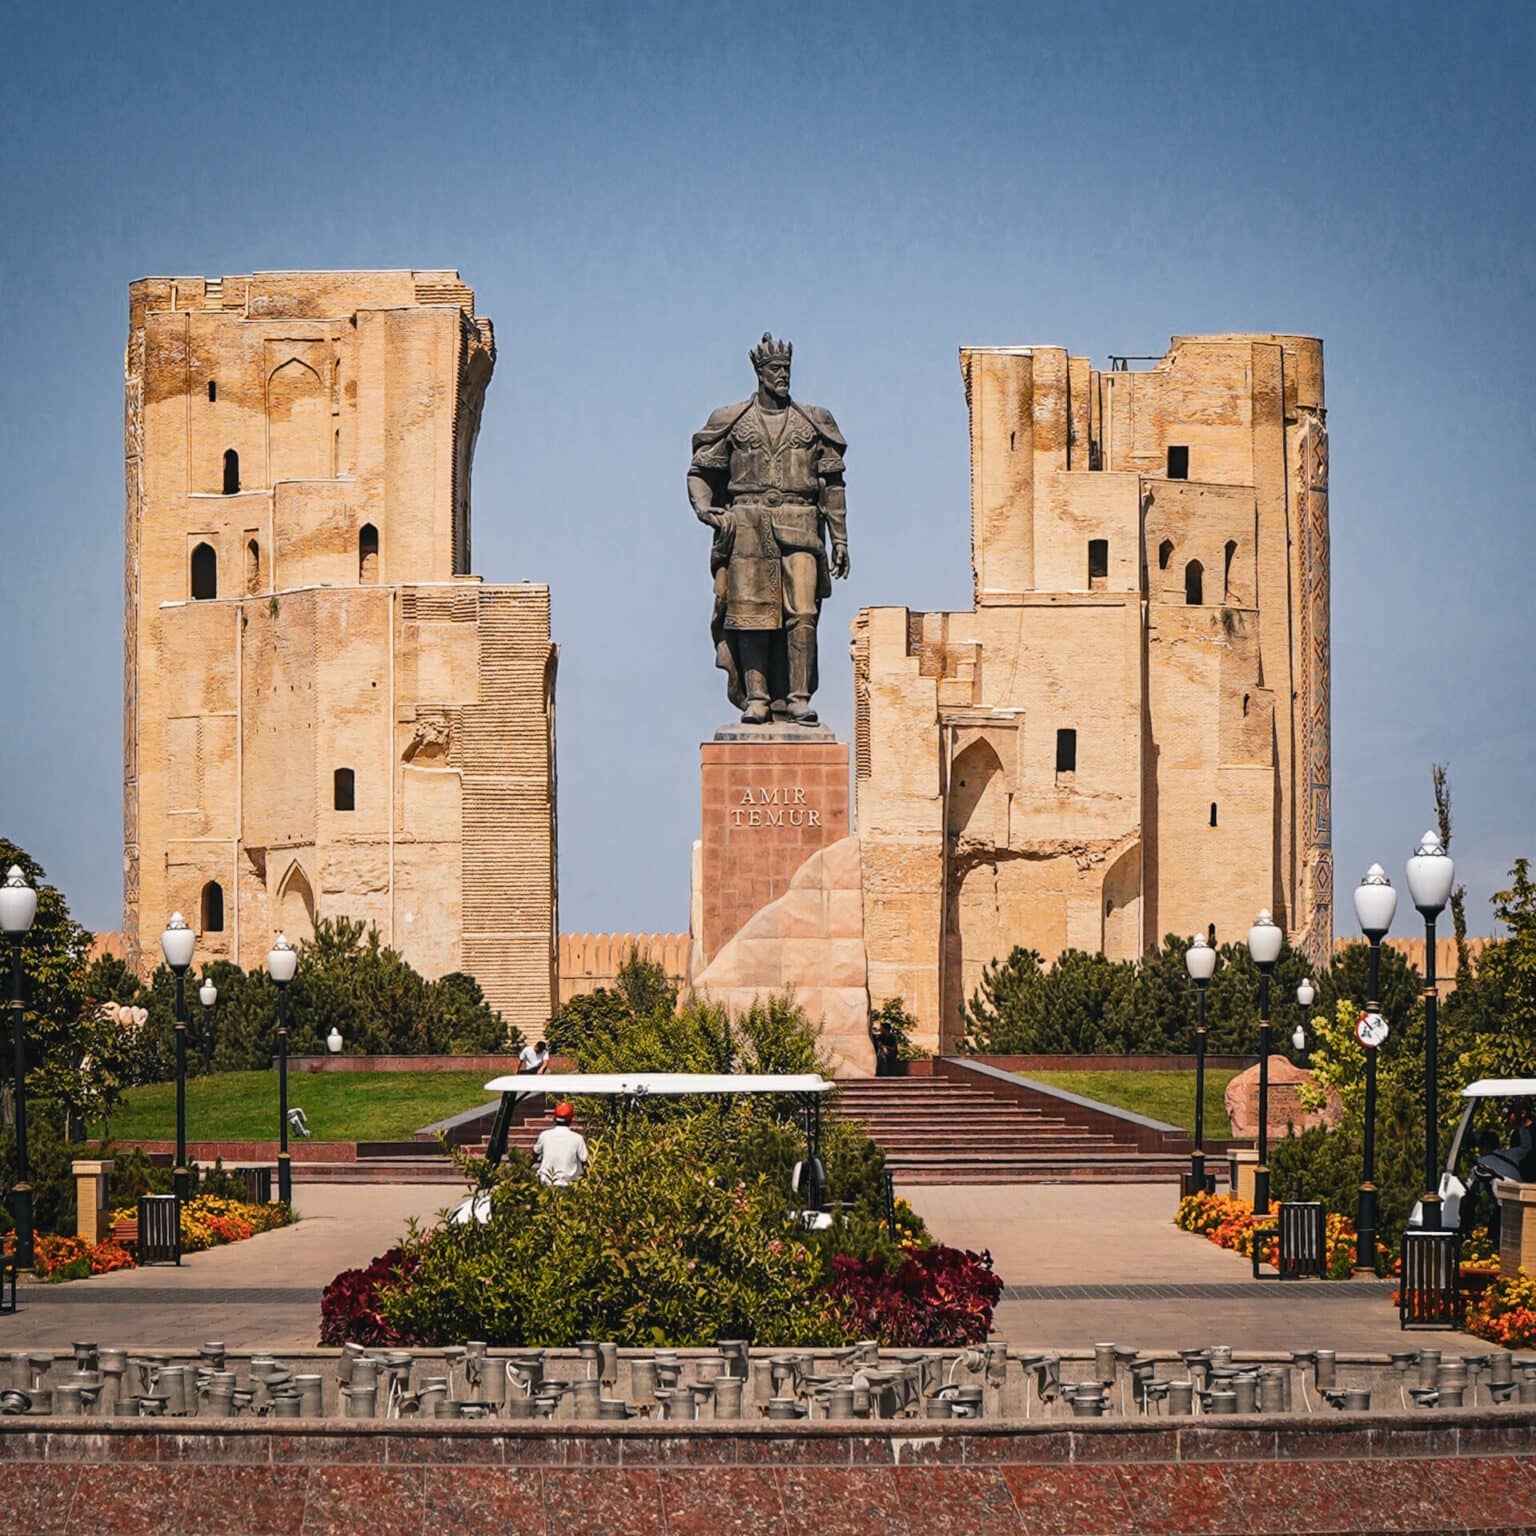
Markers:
<point>1517,1226</point>
<point>777,898</point>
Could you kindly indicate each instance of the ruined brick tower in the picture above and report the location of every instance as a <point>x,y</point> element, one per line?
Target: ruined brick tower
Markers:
<point>1128,735</point>
<point>324,713</point>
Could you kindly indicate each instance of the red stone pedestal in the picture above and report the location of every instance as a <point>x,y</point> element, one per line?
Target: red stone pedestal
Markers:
<point>770,801</point>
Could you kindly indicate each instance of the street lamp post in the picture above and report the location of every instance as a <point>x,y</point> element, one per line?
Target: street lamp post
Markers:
<point>1375,905</point>
<point>1200,962</point>
<point>1306,995</point>
<point>208,995</point>
<point>176,944</point>
<point>282,962</point>
<point>1431,874</point>
<point>1264,941</point>
<point>18,906</point>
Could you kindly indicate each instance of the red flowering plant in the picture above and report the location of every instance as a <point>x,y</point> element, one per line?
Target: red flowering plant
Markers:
<point>349,1307</point>
<point>935,1296</point>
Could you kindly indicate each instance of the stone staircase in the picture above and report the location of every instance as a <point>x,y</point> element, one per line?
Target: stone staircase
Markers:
<point>937,1131</point>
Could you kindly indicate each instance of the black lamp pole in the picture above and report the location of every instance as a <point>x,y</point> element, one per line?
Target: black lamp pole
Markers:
<point>1197,1161</point>
<point>1431,1203</point>
<point>179,1177</point>
<point>1366,1216</point>
<point>284,1163</point>
<point>1261,1173</point>
<point>21,1191</point>
<point>18,906</point>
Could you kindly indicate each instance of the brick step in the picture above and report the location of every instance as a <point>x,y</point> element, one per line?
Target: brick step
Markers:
<point>1002,1145</point>
<point>1058,1173</point>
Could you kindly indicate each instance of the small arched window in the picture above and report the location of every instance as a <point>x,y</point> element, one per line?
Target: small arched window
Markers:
<point>213,390</point>
<point>1226,576</point>
<point>1245,706</point>
<point>1213,813</point>
<point>1164,554</point>
<point>1194,583</point>
<point>213,907</point>
<point>1210,935</point>
<point>252,568</point>
<point>205,573</point>
<point>231,472</point>
<point>367,553</point>
<point>345,792</point>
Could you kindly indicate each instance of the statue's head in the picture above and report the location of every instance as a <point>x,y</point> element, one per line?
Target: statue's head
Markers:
<point>771,360</point>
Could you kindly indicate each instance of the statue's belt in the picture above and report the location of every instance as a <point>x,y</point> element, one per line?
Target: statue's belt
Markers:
<point>772,498</point>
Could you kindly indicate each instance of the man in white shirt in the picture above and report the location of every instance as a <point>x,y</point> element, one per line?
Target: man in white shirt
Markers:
<point>560,1153</point>
<point>533,1058</point>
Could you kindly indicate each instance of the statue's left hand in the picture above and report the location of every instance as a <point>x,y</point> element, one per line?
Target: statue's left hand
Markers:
<point>840,562</point>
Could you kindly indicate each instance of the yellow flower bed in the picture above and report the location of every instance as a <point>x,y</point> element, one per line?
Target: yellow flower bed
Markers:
<point>209,1220</point>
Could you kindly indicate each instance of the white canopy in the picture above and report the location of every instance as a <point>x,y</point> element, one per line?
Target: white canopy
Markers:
<point>1500,1088</point>
<point>567,1085</point>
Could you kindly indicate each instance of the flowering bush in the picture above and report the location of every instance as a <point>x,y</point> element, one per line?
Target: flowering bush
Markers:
<point>1229,1223</point>
<point>72,1258</point>
<point>936,1296</point>
<point>1505,1312</point>
<point>349,1308</point>
<point>210,1220</point>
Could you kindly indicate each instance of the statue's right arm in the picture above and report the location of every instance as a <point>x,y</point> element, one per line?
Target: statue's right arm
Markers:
<point>701,495</point>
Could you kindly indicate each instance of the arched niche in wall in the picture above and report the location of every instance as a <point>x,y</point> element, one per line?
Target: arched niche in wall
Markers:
<point>252,567</point>
<point>1194,584</point>
<point>204,574</point>
<point>212,908</point>
<point>296,904</point>
<point>367,554</point>
<point>298,424</point>
<point>1122,906</point>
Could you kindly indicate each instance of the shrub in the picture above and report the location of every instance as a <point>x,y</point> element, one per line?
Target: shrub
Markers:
<point>660,1243</point>
<point>72,1258</point>
<point>349,1307</point>
<point>207,1221</point>
<point>1505,1313</point>
<point>936,1296</point>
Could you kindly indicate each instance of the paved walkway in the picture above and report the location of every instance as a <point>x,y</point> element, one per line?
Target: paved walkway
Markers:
<point>1088,1263</point>
<point>265,1292</point>
<point>1083,1263</point>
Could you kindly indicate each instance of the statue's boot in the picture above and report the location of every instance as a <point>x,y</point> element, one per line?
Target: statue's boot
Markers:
<point>802,666</point>
<point>753,649</point>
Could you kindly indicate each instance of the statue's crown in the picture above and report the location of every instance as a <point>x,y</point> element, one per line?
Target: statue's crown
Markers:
<point>770,351</point>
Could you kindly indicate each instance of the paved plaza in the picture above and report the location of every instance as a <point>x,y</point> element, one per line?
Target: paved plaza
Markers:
<point>1082,1263</point>
<point>261,1293</point>
<point>1089,1263</point>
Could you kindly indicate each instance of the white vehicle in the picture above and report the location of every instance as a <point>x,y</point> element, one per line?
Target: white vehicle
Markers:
<point>1502,1164</point>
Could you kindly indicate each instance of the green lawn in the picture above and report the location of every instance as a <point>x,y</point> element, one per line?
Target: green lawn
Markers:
<point>340,1106</point>
<point>1167,1096</point>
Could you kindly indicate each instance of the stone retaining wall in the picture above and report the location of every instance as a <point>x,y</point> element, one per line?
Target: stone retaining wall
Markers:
<point>1472,1471</point>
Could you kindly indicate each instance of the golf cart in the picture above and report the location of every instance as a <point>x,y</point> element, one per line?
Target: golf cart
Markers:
<point>1489,1161</point>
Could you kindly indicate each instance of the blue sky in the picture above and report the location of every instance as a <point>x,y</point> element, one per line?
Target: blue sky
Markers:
<point>635,192</point>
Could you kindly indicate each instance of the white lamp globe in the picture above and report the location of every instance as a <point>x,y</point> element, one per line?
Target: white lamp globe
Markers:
<point>1375,903</point>
<point>1199,960</point>
<point>333,1041</point>
<point>1431,874</point>
<point>1299,1038</point>
<point>1306,995</point>
<point>18,903</point>
<point>208,994</point>
<point>282,961</point>
<point>1264,940</point>
<point>177,943</point>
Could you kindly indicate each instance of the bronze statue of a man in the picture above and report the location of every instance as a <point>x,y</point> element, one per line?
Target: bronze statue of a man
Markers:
<point>767,476</point>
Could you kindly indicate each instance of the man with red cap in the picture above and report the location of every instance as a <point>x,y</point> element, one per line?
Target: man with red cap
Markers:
<point>560,1153</point>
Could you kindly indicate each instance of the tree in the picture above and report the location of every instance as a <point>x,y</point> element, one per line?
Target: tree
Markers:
<point>1441,776</point>
<point>1004,1016</point>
